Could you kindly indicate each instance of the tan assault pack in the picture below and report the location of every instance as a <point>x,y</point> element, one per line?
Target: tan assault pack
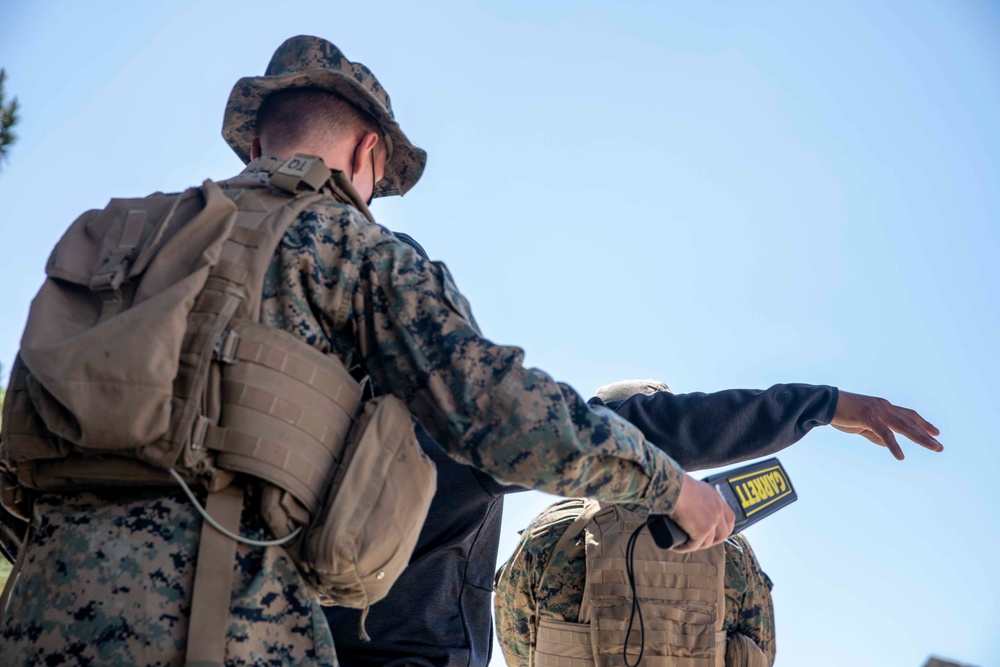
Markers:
<point>682,597</point>
<point>144,362</point>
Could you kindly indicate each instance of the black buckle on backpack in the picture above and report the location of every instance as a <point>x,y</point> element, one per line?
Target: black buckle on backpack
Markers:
<point>225,349</point>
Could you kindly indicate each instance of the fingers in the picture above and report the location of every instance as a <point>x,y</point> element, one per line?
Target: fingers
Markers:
<point>889,438</point>
<point>722,530</point>
<point>923,423</point>
<point>871,436</point>
<point>902,424</point>
<point>703,514</point>
<point>725,528</point>
<point>692,545</point>
<point>706,541</point>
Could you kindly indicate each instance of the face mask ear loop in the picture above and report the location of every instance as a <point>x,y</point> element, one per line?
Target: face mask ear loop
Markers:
<point>372,195</point>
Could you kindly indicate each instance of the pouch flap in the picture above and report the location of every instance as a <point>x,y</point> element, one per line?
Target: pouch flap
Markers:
<point>98,241</point>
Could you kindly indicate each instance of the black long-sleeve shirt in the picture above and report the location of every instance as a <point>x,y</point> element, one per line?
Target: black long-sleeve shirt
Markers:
<point>709,430</point>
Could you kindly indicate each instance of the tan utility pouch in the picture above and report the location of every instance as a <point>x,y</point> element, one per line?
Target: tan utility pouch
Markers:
<point>362,537</point>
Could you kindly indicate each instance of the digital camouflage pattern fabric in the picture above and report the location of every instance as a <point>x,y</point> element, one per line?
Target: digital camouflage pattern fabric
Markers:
<point>749,608</point>
<point>85,596</point>
<point>348,287</point>
<point>351,288</point>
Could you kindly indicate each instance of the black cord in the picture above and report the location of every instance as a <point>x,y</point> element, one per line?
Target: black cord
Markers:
<point>636,609</point>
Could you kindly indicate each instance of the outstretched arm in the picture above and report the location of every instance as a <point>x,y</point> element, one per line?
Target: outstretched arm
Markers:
<point>709,430</point>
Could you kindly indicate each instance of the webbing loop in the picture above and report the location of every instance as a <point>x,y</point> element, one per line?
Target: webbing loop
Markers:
<point>225,349</point>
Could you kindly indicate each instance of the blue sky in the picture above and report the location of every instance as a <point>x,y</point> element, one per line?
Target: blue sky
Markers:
<point>717,195</point>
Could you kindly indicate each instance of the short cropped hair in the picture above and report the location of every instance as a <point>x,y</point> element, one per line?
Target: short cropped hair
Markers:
<point>290,117</point>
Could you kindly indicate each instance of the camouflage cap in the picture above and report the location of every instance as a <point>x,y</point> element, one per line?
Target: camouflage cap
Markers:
<point>312,62</point>
<point>619,391</point>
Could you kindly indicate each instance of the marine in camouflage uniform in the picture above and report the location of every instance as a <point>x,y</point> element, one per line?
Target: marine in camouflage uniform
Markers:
<point>106,578</point>
<point>749,609</point>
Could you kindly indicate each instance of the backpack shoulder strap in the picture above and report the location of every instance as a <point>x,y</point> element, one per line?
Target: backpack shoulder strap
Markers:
<point>266,213</point>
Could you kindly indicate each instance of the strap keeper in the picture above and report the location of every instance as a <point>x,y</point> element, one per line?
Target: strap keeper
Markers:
<point>225,349</point>
<point>112,273</point>
<point>107,283</point>
<point>199,431</point>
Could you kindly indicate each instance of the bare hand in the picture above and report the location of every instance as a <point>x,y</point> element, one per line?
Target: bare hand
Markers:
<point>703,514</point>
<point>877,418</point>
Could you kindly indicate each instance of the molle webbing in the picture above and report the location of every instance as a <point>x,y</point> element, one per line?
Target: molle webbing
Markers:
<point>561,644</point>
<point>682,596</point>
<point>230,299</point>
<point>682,599</point>
<point>286,412</point>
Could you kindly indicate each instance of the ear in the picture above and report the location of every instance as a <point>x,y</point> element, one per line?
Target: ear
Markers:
<point>362,150</point>
<point>255,149</point>
<point>369,141</point>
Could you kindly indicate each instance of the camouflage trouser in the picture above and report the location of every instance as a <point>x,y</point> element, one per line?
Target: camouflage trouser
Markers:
<point>749,609</point>
<point>108,582</point>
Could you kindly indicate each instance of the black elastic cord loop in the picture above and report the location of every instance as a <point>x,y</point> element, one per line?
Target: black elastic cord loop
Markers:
<point>636,609</point>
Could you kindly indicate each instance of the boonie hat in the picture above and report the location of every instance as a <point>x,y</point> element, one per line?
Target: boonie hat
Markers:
<point>312,62</point>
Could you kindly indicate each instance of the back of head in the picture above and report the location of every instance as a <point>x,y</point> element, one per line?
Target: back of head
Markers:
<point>290,119</point>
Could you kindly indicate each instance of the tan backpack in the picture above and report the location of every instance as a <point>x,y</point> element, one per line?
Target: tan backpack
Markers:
<point>143,362</point>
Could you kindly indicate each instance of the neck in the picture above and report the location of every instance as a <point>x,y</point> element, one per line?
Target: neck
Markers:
<point>343,189</point>
<point>336,157</point>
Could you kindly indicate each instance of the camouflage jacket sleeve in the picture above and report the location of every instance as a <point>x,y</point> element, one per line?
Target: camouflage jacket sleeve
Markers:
<point>480,403</point>
<point>409,327</point>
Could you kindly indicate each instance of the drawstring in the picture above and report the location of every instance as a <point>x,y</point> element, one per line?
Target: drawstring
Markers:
<point>636,609</point>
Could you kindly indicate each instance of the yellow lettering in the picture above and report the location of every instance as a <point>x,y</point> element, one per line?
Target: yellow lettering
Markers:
<point>774,484</point>
<point>782,486</point>
<point>744,503</point>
